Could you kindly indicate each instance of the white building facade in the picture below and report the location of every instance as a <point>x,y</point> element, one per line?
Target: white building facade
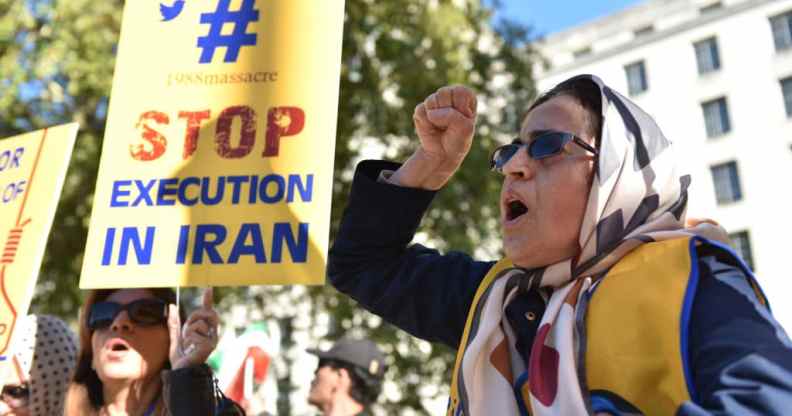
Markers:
<point>717,77</point>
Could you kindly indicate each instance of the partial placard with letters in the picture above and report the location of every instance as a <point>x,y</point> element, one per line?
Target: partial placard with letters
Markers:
<point>217,161</point>
<point>32,170</point>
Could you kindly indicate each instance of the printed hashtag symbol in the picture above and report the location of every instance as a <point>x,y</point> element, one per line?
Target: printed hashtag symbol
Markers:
<point>238,38</point>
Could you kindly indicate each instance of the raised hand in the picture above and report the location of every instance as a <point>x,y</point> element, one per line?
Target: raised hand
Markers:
<point>191,344</point>
<point>445,122</point>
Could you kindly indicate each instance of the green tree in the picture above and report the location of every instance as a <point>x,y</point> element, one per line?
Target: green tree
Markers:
<point>56,62</point>
<point>56,65</point>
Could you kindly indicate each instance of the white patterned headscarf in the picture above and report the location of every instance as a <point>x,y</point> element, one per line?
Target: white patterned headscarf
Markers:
<point>46,350</point>
<point>637,196</point>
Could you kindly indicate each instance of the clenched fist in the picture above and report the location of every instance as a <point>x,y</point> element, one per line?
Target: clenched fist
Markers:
<point>445,122</point>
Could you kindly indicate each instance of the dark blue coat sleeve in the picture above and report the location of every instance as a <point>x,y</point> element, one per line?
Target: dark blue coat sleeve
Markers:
<point>740,356</point>
<point>411,286</point>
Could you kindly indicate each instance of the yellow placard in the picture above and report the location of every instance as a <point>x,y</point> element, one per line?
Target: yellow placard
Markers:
<point>217,161</point>
<point>32,169</point>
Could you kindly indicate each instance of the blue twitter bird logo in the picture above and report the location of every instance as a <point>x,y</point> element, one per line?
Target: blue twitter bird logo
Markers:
<point>170,12</point>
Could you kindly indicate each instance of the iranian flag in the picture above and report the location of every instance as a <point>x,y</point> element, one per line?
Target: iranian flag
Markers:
<point>243,362</point>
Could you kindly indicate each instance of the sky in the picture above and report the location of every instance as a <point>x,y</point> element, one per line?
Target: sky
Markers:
<point>550,16</point>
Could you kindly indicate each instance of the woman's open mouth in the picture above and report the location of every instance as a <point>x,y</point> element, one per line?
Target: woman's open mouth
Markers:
<point>513,210</point>
<point>117,345</point>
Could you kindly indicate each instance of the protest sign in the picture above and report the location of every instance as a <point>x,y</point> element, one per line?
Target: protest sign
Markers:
<point>32,169</point>
<point>217,161</point>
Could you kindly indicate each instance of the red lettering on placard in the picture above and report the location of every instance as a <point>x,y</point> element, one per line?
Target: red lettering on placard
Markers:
<point>247,132</point>
<point>154,143</point>
<point>282,122</point>
<point>194,119</point>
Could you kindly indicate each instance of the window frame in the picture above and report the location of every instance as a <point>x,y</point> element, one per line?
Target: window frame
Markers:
<point>734,184</point>
<point>783,42</point>
<point>710,47</point>
<point>741,243</point>
<point>643,74</point>
<point>786,94</point>
<point>724,116</point>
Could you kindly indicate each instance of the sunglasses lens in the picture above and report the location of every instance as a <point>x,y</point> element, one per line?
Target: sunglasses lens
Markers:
<point>147,311</point>
<point>547,145</point>
<point>502,155</point>
<point>16,392</point>
<point>103,314</point>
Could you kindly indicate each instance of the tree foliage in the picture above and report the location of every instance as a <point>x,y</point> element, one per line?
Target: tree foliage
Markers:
<point>56,65</point>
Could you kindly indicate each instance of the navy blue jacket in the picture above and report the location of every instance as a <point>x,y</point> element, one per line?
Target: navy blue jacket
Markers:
<point>741,357</point>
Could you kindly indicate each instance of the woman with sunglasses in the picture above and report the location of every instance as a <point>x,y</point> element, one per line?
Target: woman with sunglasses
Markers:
<point>605,302</point>
<point>35,375</point>
<point>137,359</point>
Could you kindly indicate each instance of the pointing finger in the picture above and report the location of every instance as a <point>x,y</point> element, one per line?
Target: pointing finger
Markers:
<point>208,315</point>
<point>208,298</point>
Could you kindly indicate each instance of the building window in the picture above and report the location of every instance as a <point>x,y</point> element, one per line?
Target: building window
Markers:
<point>727,182</point>
<point>742,245</point>
<point>786,90</point>
<point>711,8</point>
<point>636,78</point>
<point>716,117</point>
<point>782,30</point>
<point>707,56</point>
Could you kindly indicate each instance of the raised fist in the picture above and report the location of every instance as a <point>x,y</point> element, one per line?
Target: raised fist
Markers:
<point>445,123</point>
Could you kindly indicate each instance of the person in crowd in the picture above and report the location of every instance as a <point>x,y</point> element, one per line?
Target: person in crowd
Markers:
<point>137,359</point>
<point>36,374</point>
<point>348,378</point>
<point>605,303</point>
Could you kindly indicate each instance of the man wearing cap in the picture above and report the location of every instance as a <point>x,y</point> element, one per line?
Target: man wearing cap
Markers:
<point>348,378</point>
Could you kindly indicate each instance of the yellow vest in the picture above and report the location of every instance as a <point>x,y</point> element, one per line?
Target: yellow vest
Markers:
<point>636,330</point>
<point>636,346</point>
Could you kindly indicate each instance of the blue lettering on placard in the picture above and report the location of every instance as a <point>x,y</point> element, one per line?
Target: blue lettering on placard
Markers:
<point>280,185</point>
<point>218,196</point>
<point>209,191</point>
<point>184,237</point>
<point>234,41</point>
<point>183,199</point>
<point>119,192</point>
<point>305,190</point>
<point>10,160</point>
<point>255,248</point>
<point>282,232</point>
<point>13,190</point>
<point>236,182</point>
<point>144,192</point>
<point>207,238</point>
<point>130,237</point>
<point>166,188</point>
<point>249,241</point>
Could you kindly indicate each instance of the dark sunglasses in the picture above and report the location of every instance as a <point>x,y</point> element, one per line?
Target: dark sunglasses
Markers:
<point>145,312</point>
<point>18,392</point>
<point>542,146</point>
